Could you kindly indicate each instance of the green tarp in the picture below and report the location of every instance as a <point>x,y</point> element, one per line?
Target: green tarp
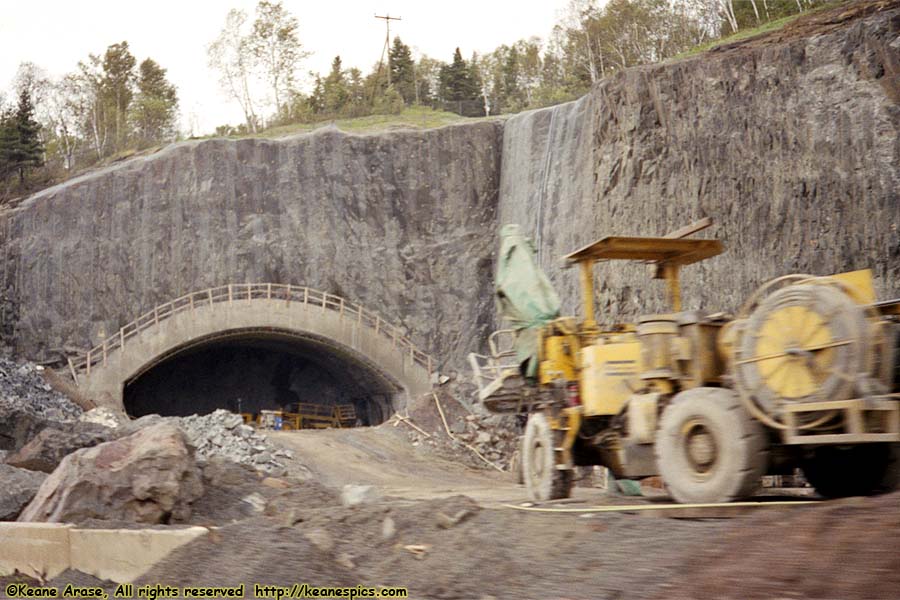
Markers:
<point>524,296</point>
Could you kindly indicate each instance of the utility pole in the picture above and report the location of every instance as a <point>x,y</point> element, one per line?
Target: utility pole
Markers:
<point>387,41</point>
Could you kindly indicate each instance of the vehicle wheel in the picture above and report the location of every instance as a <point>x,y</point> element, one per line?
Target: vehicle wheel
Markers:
<point>841,471</point>
<point>542,479</point>
<point>708,449</point>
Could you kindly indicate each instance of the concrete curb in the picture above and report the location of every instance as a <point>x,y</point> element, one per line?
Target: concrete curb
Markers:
<point>44,550</point>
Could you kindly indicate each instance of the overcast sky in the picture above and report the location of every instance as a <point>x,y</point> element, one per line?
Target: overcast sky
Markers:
<point>56,35</point>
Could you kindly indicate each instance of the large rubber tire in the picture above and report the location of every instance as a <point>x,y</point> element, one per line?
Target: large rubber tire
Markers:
<point>542,479</point>
<point>708,448</point>
<point>860,470</point>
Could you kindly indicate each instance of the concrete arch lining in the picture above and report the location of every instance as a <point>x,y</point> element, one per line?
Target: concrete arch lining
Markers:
<point>347,354</point>
<point>330,320</point>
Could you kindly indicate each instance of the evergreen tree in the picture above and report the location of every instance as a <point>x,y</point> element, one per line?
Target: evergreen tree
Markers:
<point>478,107</point>
<point>335,91</point>
<point>356,93</point>
<point>475,76</point>
<point>155,107</point>
<point>389,102</point>
<point>316,99</point>
<point>403,76</point>
<point>458,83</point>
<point>20,142</point>
<point>9,141</point>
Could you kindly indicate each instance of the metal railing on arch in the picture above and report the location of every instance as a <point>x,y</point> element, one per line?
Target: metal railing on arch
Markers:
<point>236,292</point>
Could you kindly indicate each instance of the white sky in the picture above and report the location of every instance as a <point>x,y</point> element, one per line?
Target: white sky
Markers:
<point>57,34</point>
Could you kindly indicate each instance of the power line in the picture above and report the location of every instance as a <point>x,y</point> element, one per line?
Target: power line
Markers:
<point>387,42</point>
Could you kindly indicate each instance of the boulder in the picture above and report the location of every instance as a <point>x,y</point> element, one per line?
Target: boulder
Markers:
<point>130,427</point>
<point>17,488</point>
<point>45,451</point>
<point>354,495</point>
<point>18,424</point>
<point>147,477</point>
<point>104,416</point>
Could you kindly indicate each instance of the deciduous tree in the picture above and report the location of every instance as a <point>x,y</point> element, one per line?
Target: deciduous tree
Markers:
<point>231,55</point>
<point>117,88</point>
<point>96,114</point>
<point>276,47</point>
<point>67,104</point>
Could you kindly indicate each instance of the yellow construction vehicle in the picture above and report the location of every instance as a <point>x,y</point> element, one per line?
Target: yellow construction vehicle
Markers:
<point>305,416</point>
<point>804,375</point>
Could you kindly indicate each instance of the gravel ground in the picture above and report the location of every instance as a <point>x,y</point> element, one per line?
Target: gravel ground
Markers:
<point>490,552</point>
<point>841,550</point>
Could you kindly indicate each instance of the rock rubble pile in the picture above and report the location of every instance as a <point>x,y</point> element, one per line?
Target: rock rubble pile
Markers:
<point>223,434</point>
<point>496,437</point>
<point>24,385</point>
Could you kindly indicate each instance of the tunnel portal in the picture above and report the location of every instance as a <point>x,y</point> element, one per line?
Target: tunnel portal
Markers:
<point>246,372</point>
<point>263,344</point>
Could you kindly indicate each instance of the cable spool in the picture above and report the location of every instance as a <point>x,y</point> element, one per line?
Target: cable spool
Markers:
<point>804,342</point>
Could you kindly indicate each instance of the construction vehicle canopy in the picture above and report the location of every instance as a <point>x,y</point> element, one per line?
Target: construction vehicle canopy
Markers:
<point>669,255</point>
<point>659,249</point>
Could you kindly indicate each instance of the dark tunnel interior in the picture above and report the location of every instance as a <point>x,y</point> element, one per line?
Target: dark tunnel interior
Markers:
<point>258,371</point>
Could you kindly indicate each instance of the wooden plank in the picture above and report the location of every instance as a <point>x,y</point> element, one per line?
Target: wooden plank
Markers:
<point>690,229</point>
<point>662,250</point>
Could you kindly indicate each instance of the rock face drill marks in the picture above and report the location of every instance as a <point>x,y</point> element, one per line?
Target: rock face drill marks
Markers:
<point>791,143</point>
<point>400,222</point>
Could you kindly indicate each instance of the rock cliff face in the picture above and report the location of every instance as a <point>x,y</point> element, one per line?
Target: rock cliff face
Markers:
<point>790,142</point>
<point>401,223</point>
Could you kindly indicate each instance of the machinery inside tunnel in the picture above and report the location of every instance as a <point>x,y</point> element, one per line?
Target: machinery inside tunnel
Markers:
<point>246,372</point>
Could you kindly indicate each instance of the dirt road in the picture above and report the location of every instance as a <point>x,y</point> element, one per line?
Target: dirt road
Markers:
<point>383,457</point>
<point>411,538</point>
<point>439,530</point>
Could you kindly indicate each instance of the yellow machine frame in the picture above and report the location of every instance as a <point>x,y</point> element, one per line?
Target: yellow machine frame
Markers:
<point>624,396</point>
<point>312,416</point>
<point>611,361</point>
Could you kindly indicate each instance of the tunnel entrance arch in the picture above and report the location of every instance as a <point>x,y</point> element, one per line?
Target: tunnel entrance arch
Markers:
<point>308,318</point>
<point>249,370</point>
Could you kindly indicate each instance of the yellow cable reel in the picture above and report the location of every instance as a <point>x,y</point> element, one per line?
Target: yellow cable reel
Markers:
<point>805,342</point>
